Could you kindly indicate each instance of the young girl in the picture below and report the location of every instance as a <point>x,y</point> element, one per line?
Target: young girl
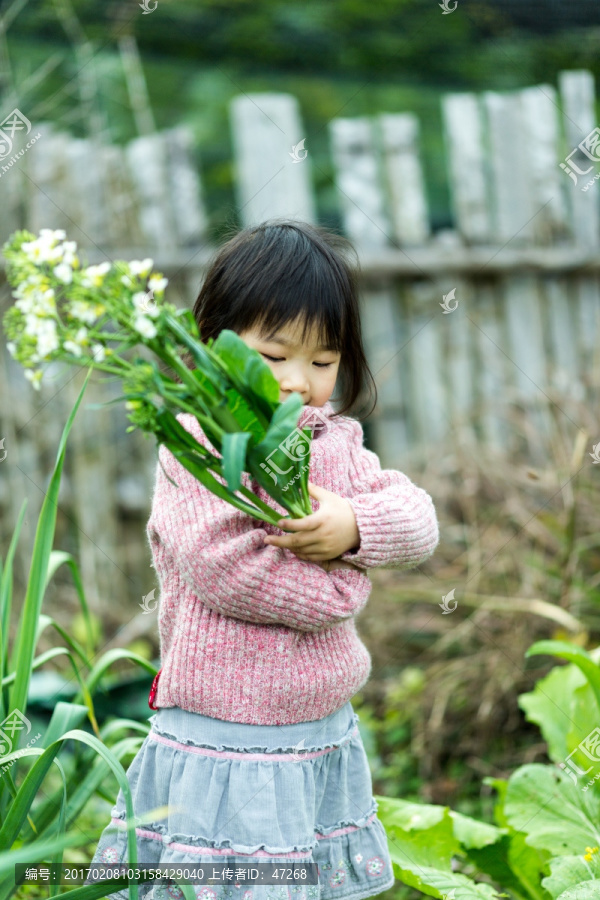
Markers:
<point>255,746</point>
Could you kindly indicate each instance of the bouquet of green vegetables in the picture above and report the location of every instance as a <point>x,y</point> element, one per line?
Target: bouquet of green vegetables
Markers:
<point>76,314</point>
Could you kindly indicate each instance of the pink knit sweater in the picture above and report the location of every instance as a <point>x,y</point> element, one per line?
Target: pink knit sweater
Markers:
<point>250,633</point>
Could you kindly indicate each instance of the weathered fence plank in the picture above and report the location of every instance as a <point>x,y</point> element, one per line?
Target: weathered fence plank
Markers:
<point>464,138</point>
<point>540,124</point>
<point>407,205</point>
<point>148,165</point>
<point>464,135</point>
<point>358,180</point>
<point>578,103</point>
<point>492,366</point>
<point>357,174</point>
<point>270,180</point>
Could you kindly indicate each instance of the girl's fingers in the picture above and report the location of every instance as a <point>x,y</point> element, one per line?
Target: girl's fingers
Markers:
<point>293,542</point>
<point>307,523</point>
<point>316,557</point>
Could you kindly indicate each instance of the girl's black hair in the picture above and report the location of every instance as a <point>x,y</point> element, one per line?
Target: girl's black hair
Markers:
<point>268,275</point>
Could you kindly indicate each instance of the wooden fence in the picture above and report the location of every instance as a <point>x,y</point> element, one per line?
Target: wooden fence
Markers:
<point>461,327</point>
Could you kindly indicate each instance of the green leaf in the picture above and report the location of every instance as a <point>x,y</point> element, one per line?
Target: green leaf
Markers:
<point>551,706</point>
<point>514,865</point>
<point>248,371</point>
<point>207,385</point>
<point>420,840</point>
<point>570,871</point>
<point>203,356</point>
<point>173,435</point>
<point>574,654</point>
<point>410,816</point>
<point>556,815</point>
<point>36,583</point>
<point>281,468</point>
<point>528,864</point>
<point>28,790</point>
<point>245,416</point>
<point>424,837</point>
<point>282,430</point>
<point>472,833</point>
<point>199,471</point>
<point>234,458</point>
<point>499,785</point>
<point>585,890</point>
<point>260,379</point>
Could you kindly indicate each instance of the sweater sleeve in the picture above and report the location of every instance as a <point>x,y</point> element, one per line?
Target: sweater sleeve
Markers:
<point>220,553</point>
<point>396,520</point>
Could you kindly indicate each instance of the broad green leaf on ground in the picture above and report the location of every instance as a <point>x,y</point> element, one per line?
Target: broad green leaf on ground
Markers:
<point>585,890</point>
<point>472,833</point>
<point>517,867</point>
<point>585,732</point>
<point>574,654</point>
<point>569,871</point>
<point>501,855</point>
<point>421,842</point>
<point>408,815</point>
<point>556,815</point>
<point>551,705</point>
<point>499,785</point>
<point>439,883</point>
<point>528,863</point>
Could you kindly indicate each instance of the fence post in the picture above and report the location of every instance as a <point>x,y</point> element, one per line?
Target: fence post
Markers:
<point>408,203</point>
<point>147,160</point>
<point>541,126</point>
<point>515,210</point>
<point>578,104</point>
<point>357,175</point>
<point>476,369</point>
<point>271,181</point>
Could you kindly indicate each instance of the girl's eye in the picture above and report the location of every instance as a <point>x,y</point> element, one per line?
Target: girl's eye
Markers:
<point>282,358</point>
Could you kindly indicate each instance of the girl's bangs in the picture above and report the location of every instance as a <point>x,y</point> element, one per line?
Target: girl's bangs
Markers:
<point>316,302</point>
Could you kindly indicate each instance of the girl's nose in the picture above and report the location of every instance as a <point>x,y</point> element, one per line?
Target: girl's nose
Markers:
<point>294,381</point>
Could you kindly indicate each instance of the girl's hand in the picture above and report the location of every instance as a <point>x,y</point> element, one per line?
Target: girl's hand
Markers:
<point>324,534</point>
<point>330,564</point>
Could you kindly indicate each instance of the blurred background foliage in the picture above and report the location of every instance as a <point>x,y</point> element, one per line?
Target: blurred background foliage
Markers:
<point>340,58</point>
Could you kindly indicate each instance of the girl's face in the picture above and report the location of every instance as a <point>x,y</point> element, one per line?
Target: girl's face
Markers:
<point>303,367</point>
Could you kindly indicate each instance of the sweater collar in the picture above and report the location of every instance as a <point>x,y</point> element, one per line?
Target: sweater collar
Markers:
<point>317,418</point>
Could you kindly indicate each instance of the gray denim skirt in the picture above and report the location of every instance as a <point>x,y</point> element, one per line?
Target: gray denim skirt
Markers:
<point>238,794</point>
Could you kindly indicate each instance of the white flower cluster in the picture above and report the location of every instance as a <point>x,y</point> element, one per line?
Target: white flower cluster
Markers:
<point>144,303</point>
<point>47,249</point>
<point>93,276</point>
<point>36,299</point>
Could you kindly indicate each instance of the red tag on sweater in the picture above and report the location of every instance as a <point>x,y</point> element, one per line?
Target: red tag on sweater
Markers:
<point>153,690</point>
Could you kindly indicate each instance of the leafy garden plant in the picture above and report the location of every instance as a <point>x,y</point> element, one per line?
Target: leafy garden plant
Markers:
<point>545,844</point>
<point>90,316</point>
<point>37,826</point>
